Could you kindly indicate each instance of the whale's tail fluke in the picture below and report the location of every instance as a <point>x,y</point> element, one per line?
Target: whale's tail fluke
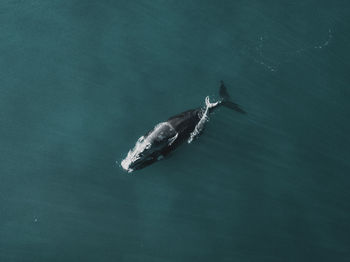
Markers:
<point>226,100</point>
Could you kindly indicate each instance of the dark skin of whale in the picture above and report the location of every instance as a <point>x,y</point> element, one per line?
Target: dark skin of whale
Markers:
<point>183,123</point>
<point>176,129</point>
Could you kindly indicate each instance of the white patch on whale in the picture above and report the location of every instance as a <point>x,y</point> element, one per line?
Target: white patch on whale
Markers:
<point>205,117</point>
<point>145,143</point>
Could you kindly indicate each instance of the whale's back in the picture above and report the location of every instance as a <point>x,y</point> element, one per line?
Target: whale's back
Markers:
<point>185,122</point>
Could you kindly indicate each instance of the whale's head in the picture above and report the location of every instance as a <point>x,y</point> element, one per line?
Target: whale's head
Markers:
<point>137,156</point>
<point>148,148</point>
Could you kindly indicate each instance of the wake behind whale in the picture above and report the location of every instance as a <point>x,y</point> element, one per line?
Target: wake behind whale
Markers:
<point>167,136</point>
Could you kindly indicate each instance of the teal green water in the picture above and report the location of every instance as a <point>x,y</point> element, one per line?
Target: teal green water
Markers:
<point>80,81</point>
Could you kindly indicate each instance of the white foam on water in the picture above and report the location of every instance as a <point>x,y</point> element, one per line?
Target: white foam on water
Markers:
<point>258,55</point>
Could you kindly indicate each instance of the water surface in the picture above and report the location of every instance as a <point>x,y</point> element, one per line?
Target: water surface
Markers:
<point>80,81</point>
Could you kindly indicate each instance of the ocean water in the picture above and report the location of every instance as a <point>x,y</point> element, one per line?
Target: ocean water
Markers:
<point>80,81</point>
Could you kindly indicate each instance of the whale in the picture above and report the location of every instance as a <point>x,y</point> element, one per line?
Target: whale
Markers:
<point>166,136</point>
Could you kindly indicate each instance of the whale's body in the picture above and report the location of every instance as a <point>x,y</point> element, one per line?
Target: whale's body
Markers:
<point>167,136</point>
